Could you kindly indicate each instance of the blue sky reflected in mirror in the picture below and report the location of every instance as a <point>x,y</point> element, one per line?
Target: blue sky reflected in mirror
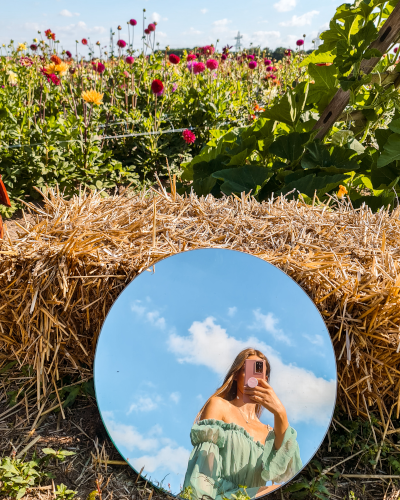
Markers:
<point>171,336</point>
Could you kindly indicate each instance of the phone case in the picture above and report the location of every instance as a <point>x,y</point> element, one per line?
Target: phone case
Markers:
<point>250,372</point>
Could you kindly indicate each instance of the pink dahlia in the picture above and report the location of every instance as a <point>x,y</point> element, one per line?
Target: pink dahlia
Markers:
<point>188,136</point>
<point>207,50</point>
<point>212,64</point>
<point>130,60</point>
<point>133,22</point>
<point>190,57</point>
<point>121,44</point>
<point>252,64</point>
<point>300,42</point>
<point>198,67</point>
<point>99,67</point>
<point>54,79</point>
<point>174,59</point>
<point>151,27</point>
<point>157,86</point>
<point>269,68</point>
<point>251,56</point>
<point>147,31</point>
<point>267,62</point>
<point>84,41</point>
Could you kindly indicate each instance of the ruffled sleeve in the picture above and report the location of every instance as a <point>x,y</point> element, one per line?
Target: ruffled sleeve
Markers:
<point>204,467</point>
<point>281,465</point>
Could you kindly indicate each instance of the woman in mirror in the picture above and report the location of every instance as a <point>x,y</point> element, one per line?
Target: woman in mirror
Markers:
<point>232,450</point>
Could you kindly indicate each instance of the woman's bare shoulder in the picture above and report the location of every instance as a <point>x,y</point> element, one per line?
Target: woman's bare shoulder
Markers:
<point>215,408</point>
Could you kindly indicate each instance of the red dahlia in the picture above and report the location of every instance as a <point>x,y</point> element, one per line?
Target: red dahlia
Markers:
<point>188,136</point>
<point>174,59</point>
<point>157,86</point>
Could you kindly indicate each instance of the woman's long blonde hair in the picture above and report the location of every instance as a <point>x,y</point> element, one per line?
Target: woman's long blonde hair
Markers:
<point>228,389</point>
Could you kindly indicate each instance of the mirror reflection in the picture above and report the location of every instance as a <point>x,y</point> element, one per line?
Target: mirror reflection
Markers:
<point>215,375</point>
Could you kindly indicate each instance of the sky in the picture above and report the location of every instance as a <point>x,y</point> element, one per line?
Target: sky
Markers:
<point>171,336</point>
<point>181,23</point>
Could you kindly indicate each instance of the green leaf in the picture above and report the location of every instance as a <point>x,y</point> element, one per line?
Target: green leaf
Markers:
<point>8,366</point>
<point>298,486</point>
<point>70,400</point>
<point>381,136</point>
<point>318,58</point>
<point>21,493</point>
<point>394,125</point>
<point>385,177</point>
<point>237,180</point>
<point>49,451</point>
<point>391,151</point>
<point>238,159</point>
<point>289,146</point>
<point>311,183</point>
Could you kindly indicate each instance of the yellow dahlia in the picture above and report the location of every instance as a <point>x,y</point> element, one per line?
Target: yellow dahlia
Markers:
<point>92,96</point>
<point>61,68</point>
<point>21,46</point>
<point>342,191</point>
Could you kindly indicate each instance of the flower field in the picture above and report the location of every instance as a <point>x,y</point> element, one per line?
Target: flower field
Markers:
<point>224,122</point>
<point>71,121</point>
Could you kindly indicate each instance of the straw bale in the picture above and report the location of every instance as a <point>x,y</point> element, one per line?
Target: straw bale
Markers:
<point>61,274</point>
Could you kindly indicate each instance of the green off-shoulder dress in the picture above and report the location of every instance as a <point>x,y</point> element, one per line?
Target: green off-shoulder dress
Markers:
<point>225,457</point>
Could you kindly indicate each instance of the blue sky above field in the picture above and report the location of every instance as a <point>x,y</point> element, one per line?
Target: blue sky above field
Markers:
<point>269,23</point>
<point>171,336</point>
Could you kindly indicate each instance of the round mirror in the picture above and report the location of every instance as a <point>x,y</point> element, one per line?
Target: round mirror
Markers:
<point>215,374</point>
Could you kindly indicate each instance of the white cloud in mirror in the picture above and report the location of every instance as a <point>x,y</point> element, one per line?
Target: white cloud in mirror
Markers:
<point>268,323</point>
<point>174,458</point>
<point>175,397</point>
<point>314,339</point>
<point>232,311</point>
<point>144,404</point>
<point>127,434</point>
<point>307,398</point>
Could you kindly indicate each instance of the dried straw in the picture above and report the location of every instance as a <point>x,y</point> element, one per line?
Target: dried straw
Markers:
<point>60,276</point>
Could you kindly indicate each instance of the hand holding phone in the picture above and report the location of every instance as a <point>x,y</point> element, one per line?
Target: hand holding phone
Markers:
<point>253,370</point>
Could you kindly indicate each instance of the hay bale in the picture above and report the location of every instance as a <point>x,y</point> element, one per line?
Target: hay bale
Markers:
<point>60,276</point>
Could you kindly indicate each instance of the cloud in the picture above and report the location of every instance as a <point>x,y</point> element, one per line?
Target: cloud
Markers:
<point>175,397</point>
<point>81,26</point>
<point>192,31</point>
<point>152,317</point>
<point>268,322</point>
<point>285,5</point>
<point>67,13</point>
<point>144,404</point>
<point>314,339</point>
<point>175,459</point>
<point>232,311</point>
<point>204,11</point>
<point>221,27</point>
<point>266,37</point>
<point>306,397</point>
<point>128,435</point>
<point>302,20</point>
<point>155,17</point>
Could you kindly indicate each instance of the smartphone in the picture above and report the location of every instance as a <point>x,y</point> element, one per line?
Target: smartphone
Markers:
<point>253,369</point>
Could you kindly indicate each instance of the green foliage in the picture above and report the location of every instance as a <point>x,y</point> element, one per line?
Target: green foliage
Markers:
<point>63,493</point>
<point>278,153</point>
<point>187,493</point>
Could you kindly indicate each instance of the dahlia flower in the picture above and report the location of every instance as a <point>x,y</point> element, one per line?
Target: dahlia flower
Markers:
<point>12,78</point>
<point>300,42</point>
<point>130,60</point>
<point>47,32</point>
<point>26,61</point>
<point>84,41</point>
<point>121,44</point>
<point>33,47</point>
<point>92,96</point>
<point>198,67</point>
<point>188,136</point>
<point>21,47</point>
<point>147,31</point>
<point>212,64</point>
<point>224,57</point>
<point>126,74</point>
<point>151,27</point>
<point>133,22</point>
<point>157,86</point>
<point>190,57</point>
<point>342,191</point>
<point>269,68</point>
<point>55,59</point>
<point>288,52</point>
<point>252,64</point>
<point>267,62</point>
<point>174,59</point>
<point>54,79</point>
<point>395,50</point>
<point>99,67</point>
<point>207,50</point>
<point>190,65</point>
<point>174,87</point>
<point>68,54</point>
<point>226,49</point>
<point>251,56</point>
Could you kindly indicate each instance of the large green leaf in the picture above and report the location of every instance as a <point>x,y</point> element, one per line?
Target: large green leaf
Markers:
<point>385,177</point>
<point>316,58</point>
<point>391,151</point>
<point>312,182</point>
<point>289,146</point>
<point>324,76</point>
<point>338,161</point>
<point>237,180</point>
<point>394,125</point>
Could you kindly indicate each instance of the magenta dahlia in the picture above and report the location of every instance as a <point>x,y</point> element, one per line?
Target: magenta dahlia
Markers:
<point>188,136</point>
<point>269,68</point>
<point>224,57</point>
<point>300,42</point>
<point>198,67</point>
<point>54,79</point>
<point>151,27</point>
<point>68,53</point>
<point>121,44</point>
<point>130,60</point>
<point>267,62</point>
<point>147,31</point>
<point>251,56</point>
<point>190,57</point>
<point>157,86</point>
<point>133,22</point>
<point>207,50</point>
<point>212,64</point>
<point>99,67</point>
<point>174,59</point>
<point>252,64</point>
